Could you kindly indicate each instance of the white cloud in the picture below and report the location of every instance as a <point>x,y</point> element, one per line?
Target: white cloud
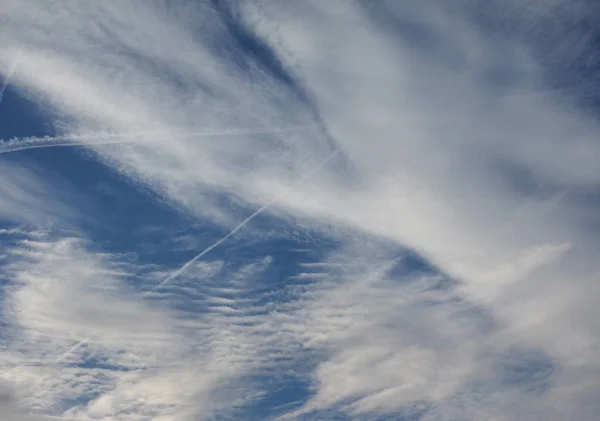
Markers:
<point>11,409</point>
<point>67,293</point>
<point>133,358</point>
<point>484,178</point>
<point>61,294</point>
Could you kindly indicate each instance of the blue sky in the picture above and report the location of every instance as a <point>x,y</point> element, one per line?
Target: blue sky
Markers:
<point>313,210</point>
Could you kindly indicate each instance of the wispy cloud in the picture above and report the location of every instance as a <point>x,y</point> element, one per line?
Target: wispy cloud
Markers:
<point>438,136</point>
<point>8,75</point>
<point>138,356</point>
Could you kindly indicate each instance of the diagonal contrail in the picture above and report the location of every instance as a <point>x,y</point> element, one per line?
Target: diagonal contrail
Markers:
<point>69,351</point>
<point>9,75</point>
<point>241,225</point>
<point>104,138</point>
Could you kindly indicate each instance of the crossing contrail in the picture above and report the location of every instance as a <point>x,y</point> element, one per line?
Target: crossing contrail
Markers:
<point>107,138</point>
<point>9,75</point>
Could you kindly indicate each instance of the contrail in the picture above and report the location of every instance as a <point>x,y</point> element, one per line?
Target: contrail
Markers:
<point>105,138</point>
<point>16,147</point>
<point>9,75</point>
<point>241,225</point>
<point>68,352</point>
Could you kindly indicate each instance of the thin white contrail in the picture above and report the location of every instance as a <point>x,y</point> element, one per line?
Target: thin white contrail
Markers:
<point>9,75</point>
<point>68,352</point>
<point>103,138</point>
<point>241,225</point>
<point>16,147</point>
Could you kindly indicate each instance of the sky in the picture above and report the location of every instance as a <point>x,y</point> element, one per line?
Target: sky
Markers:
<point>310,210</point>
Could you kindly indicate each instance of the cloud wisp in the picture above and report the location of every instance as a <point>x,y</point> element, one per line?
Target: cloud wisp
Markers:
<point>9,74</point>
